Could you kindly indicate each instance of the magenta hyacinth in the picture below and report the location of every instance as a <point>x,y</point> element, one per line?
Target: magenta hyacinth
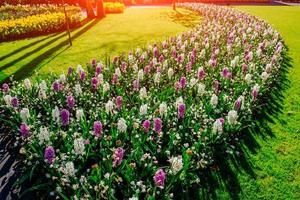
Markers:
<point>56,86</point>
<point>94,83</point>
<point>82,76</point>
<point>123,67</point>
<point>118,156</point>
<point>70,101</point>
<point>225,72</point>
<point>183,82</point>
<point>49,154</point>
<point>201,74</point>
<point>14,102</point>
<point>119,101</point>
<point>115,78</point>
<point>146,125</point>
<point>160,178</point>
<point>136,85</point>
<point>97,128</point>
<point>237,104</point>
<point>5,88</point>
<point>98,69</point>
<point>70,70</point>
<point>254,93</point>
<point>65,117</point>
<point>24,130</point>
<point>181,110</point>
<point>177,86</point>
<point>157,125</point>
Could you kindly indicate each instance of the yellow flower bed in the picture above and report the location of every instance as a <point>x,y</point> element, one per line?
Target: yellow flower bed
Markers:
<point>114,7</point>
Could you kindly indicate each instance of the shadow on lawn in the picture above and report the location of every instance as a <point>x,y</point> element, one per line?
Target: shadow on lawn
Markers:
<point>223,175</point>
<point>185,18</point>
<point>30,67</point>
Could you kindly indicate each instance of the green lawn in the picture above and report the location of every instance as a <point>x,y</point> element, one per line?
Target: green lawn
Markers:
<point>276,163</point>
<point>97,39</point>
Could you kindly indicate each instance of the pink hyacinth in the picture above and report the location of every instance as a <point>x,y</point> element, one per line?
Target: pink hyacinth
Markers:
<point>56,86</point>
<point>155,52</point>
<point>216,86</point>
<point>237,104</point>
<point>183,82</point>
<point>136,85</point>
<point>115,78</point>
<point>146,125</point>
<point>254,93</point>
<point>24,130</point>
<point>70,71</point>
<point>97,128</point>
<point>147,69</point>
<point>188,67</point>
<point>181,110</point>
<point>5,88</point>
<point>157,125</point>
<point>14,102</point>
<point>212,62</point>
<point>177,86</point>
<point>49,154</point>
<point>123,67</point>
<point>225,72</point>
<point>201,74</point>
<point>98,69</point>
<point>82,76</point>
<point>160,178</point>
<point>119,100</point>
<point>94,62</point>
<point>244,68</point>
<point>118,156</point>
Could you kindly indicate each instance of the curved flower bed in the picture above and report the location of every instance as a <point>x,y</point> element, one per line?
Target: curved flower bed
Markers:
<point>144,125</point>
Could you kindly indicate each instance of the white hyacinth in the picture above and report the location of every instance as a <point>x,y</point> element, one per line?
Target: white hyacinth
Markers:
<point>201,88</point>
<point>100,79</point>
<point>55,114</point>
<point>143,93</point>
<point>141,75</point>
<point>7,98</point>
<point>170,73</point>
<point>43,85</point>
<point>157,78</point>
<point>78,89</point>
<point>109,106</point>
<point>264,76</point>
<point>79,69</point>
<point>27,84</point>
<point>176,164</point>
<point>79,146</point>
<point>193,82</point>
<point>122,127</point>
<point>248,78</point>
<point>232,117</point>
<point>118,71</point>
<point>69,169</point>
<point>218,126</point>
<point>214,100</point>
<point>143,109</point>
<point>79,114</point>
<point>178,101</point>
<point>62,78</point>
<point>24,114</point>
<point>163,109</point>
<point>44,135</point>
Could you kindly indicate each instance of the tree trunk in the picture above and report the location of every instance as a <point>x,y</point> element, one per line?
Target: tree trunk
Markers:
<point>100,9</point>
<point>89,9</point>
<point>174,4</point>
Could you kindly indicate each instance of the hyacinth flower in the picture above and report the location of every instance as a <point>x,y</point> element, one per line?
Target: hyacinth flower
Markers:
<point>115,78</point>
<point>123,67</point>
<point>255,91</point>
<point>157,125</point>
<point>98,69</point>
<point>94,83</point>
<point>56,86</point>
<point>183,82</point>
<point>136,85</point>
<point>65,117</point>
<point>70,101</point>
<point>70,71</point>
<point>119,101</point>
<point>146,125</point>
<point>181,110</point>
<point>82,76</point>
<point>238,103</point>
<point>49,155</point>
<point>97,128</point>
<point>118,156</point>
<point>201,73</point>
<point>160,178</point>
<point>14,102</point>
<point>5,88</point>
<point>24,130</point>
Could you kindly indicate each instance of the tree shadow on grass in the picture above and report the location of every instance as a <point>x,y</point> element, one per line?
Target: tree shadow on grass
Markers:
<point>186,18</point>
<point>30,67</point>
<point>222,176</point>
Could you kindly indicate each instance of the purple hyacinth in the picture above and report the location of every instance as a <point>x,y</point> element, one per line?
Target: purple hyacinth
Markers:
<point>70,70</point>
<point>157,125</point>
<point>5,88</point>
<point>94,83</point>
<point>98,69</point>
<point>82,76</point>
<point>65,117</point>
<point>119,100</point>
<point>161,58</point>
<point>181,110</point>
<point>56,86</point>
<point>183,81</point>
<point>70,101</point>
<point>49,154</point>
<point>136,85</point>
<point>146,125</point>
<point>14,102</point>
<point>160,178</point>
<point>97,128</point>
<point>118,156</point>
<point>94,62</point>
<point>24,130</point>
<point>225,72</point>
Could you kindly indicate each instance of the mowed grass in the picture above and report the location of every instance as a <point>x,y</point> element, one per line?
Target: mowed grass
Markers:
<point>114,34</point>
<point>276,164</point>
